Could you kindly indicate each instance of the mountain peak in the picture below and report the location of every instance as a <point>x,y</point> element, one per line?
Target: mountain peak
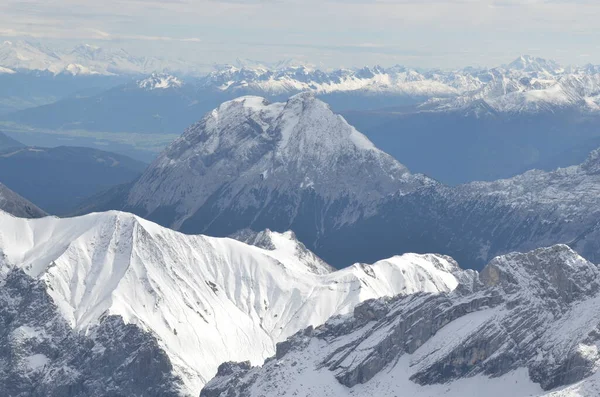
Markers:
<point>530,63</point>
<point>160,81</point>
<point>248,153</point>
<point>592,164</point>
<point>557,266</point>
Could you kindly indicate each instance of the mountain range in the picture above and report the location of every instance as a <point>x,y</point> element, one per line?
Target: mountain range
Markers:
<point>83,59</point>
<point>532,111</point>
<point>109,302</point>
<point>250,164</point>
<point>112,303</point>
<point>527,325</point>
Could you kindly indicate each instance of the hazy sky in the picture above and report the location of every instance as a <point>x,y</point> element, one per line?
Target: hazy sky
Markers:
<point>333,33</point>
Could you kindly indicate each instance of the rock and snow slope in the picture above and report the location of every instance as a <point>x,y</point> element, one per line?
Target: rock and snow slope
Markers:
<point>527,84</point>
<point>205,300</point>
<point>254,164</point>
<point>250,164</point>
<point>477,221</point>
<point>14,204</point>
<point>526,326</point>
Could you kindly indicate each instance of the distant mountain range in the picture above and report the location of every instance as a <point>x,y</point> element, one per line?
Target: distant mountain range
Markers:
<point>7,142</point>
<point>82,60</point>
<point>456,126</point>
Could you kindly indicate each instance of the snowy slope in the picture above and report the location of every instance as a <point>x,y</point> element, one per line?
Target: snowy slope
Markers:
<point>254,164</point>
<point>527,326</point>
<point>158,81</point>
<point>206,300</point>
<point>292,79</point>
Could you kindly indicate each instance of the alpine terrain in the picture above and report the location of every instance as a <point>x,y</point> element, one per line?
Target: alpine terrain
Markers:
<point>112,303</point>
<point>527,325</point>
<point>297,166</point>
<point>254,164</point>
<point>477,221</point>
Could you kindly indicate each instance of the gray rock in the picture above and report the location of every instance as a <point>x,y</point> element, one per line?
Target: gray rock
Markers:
<point>535,310</point>
<point>41,355</point>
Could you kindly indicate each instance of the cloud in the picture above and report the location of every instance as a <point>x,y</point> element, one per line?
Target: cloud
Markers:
<point>433,32</point>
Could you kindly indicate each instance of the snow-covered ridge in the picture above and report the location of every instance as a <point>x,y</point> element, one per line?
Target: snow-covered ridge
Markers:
<point>526,326</point>
<point>207,300</point>
<point>160,81</point>
<point>527,84</point>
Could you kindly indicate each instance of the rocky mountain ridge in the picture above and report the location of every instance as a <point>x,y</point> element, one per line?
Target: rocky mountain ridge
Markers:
<point>189,302</point>
<point>527,325</point>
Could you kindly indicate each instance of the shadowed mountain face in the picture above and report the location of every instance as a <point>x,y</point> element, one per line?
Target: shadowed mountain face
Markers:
<point>57,179</point>
<point>477,221</point>
<point>7,142</point>
<point>458,146</point>
<point>16,205</point>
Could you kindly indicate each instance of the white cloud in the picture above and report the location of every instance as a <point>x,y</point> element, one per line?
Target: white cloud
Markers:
<point>428,33</point>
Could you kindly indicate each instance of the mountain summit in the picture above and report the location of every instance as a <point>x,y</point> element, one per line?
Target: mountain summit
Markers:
<point>254,164</point>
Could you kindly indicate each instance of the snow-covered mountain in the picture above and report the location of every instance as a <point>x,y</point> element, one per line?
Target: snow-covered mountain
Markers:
<point>160,81</point>
<point>193,302</point>
<point>527,84</point>
<point>297,166</point>
<point>254,164</point>
<point>526,326</point>
<point>292,79</point>
<point>12,203</point>
<point>84,59</point>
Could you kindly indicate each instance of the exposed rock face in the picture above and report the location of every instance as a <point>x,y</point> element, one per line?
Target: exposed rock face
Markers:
<point>16,205</point>
<point>41,355</point>
<point>536,311</point>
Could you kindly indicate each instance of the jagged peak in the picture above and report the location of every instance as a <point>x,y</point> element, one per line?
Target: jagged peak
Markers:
<point>592,163</point>
<point>534,64</point>
<point>160,81</point>
<point>280,120</point>
<point>559,267</point>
